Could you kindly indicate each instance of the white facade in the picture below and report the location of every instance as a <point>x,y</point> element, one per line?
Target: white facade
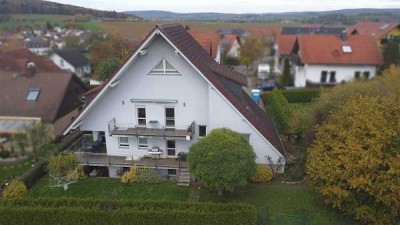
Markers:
<point>193,98</point>
<point>342,73</point>
<point>64,65</point>
<point>234,51</point>
<point>40,50</point>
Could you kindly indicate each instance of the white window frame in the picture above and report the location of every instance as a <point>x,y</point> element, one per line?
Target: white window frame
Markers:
<point>199,130</point>
<point>164,70</point>
<point>143,146</point>
<point>141,118</point>
<point>169,118</point>
<point>166,147</point>
<point>123,144</point>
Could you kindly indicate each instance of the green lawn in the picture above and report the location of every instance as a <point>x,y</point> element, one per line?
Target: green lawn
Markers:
<point>111,188</point>
<point>272,200</point>
<point>11,171</point>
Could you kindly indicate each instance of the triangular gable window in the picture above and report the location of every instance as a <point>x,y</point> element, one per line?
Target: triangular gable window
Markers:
<point>164,67</point>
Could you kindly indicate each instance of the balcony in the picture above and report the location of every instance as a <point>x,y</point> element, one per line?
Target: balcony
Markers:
<point>153,129</point>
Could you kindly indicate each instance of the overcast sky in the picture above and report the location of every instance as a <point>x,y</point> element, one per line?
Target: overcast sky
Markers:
<point>231,6</point>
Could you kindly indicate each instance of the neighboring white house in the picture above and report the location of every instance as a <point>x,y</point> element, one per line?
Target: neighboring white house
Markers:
<point>331,59</point>
<point>231,45</point>
<point>72,60</point>
<point>167,96</point>
<point>39,46</point>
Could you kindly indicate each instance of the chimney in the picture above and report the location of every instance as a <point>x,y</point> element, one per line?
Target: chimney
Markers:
<point>343,35</point>
<point>31,68</point>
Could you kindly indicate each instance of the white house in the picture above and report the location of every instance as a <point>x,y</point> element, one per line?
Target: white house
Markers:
<point>331,59</point>
<point>39,46</point>
<point>231,44</point>
<point>72,60</point>
<point>168,95</point>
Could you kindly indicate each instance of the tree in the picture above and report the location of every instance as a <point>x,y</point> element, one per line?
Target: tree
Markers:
<point>222,159</point>
<point>106,47</point>
<point>354,161</point>
<point>108,67</point>
<point>390,55</point>
<point>251,49</point>
<point>72,41</point>
<point>286,79</point>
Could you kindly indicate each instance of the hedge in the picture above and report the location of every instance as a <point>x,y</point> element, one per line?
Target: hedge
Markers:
<point>278,108</point>
<point>34,174</point>
<point>301,95</point>
<point>89,211</point>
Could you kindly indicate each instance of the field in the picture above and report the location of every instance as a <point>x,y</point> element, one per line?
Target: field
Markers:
<point>135,30</point>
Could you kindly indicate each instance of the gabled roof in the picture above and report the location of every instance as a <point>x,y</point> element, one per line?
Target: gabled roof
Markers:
<point>375,29</point>
<point>328,49</point>
<point>209,41</point>
<point>73,57</point>
<point>16,60</point>
<point>285,44</point>
<point>226,81</point>
<point>262,32</point>
<point>59,94</point>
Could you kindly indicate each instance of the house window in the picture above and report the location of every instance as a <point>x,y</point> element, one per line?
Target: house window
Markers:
<point>324,75</point>
<point>142,142</point>
<point>33,95</point>
<point>123,142</point>
<point>61,63</point>
<point>164,67</point>
<point>366,74</point>
<point>171,172</point>
<point>202,131</point>
<point>332,78</point>
<point>170,117</point>
<point>141,115</point>
<point>170,148</point>
<point>357,75</point>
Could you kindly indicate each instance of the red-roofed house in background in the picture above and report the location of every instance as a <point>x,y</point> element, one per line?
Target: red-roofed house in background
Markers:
<point>231,45</point>
<point>168,95</point>
<point>381,31</point>
<point>210,42</point>
<point>331,59</point>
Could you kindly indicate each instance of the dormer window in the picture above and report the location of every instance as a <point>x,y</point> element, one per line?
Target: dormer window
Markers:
<point>164,67</point>
<point>33,95</point>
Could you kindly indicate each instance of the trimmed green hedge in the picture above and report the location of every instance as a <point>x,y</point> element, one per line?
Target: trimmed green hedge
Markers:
<point>278,108</point>
<point>301,95</point>
<point>90,211</point>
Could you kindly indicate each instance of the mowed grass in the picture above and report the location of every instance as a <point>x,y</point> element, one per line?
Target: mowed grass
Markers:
<point>294,204</point>
<point>11,171</point>
<point>108,188</point>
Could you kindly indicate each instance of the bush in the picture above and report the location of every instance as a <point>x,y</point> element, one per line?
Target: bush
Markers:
<point>130,176</point>
<point>278,108</point>
<point>4,154</point>
<point>301,95</point>
<point>15,189</point>
<point>77,174</point>
<point>263,174</point>
<point>34,174</point>
<point>149,176</point>
<point>63,164</point>
<point>228,60</point>
<point>90,211</point>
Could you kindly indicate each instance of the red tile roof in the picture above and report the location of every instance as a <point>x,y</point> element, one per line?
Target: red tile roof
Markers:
<point>327,49</point>
<point>209,41</point>
<point>376,29</point>
<point>262,32</point>
<point>285,43</point>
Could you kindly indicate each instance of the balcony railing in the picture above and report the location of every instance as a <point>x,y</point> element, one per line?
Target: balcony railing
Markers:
<point>152,128</point>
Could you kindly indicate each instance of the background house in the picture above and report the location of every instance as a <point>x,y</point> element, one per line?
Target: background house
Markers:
<point>381,31</point>
<point>167,96</point>
<point>33,89</point>
<point>72,60</point>
<point>332,59</point>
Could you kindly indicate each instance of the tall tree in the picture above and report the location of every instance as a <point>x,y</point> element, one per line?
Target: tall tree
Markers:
<point>391,55</point>
<point>222,159</point>
<point>251,49</point>
<point>354,161</point>
<point>286,79</point>
<point>107,67</point>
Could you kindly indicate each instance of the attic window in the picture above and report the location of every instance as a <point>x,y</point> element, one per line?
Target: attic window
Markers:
<point>163,67</point>
<point>347,49</point>
<point>33,95</point>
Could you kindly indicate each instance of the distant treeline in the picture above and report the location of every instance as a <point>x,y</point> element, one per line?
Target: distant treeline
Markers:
<point>45,7</point>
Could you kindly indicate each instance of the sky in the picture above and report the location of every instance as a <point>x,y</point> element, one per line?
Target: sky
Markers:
<point>231,6</point>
